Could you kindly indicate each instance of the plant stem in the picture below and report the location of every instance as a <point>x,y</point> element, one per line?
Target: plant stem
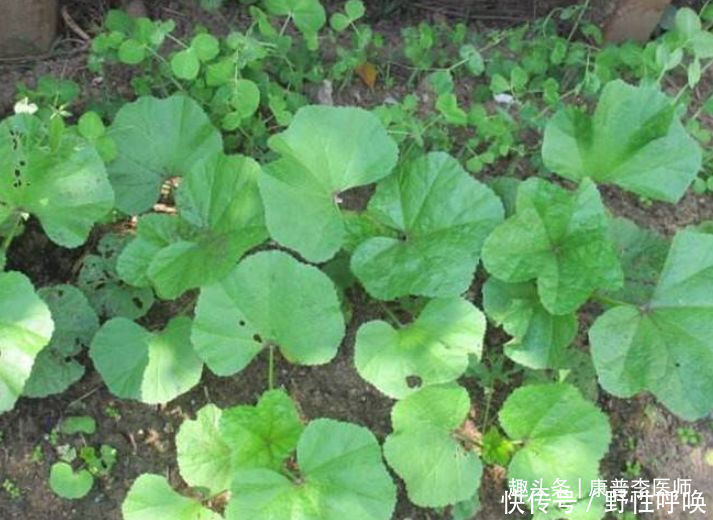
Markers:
<point>8,239</point>
<point>584,9</point>
<point>271,367</point>
<point>608,301</point>
<point>391,314</point>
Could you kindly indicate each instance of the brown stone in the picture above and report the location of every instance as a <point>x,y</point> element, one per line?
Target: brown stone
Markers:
<point>634,20</point>
<point>27,27</point>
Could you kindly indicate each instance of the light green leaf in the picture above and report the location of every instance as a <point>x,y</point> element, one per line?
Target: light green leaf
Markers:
<point>633,140</point>
<point>433,349</point>
<point>687,22</point>
<point>220,218</point>
<point>185,64</point>
<point>75,323</point>
<point>64,186</point>
<point>132,52</point>
<point>443,216</point>
<point>422,449</point>
<point>664,346</point>
<point>206,46</point>
<point>325,151</point>
<point>309,15</point>
<point>539,339</point>
<point>68,484</point>
<point>269,298</point>
<point>151,497</point>
<point>151,367</point>
<point>264,435</point>
<point>564,436</point>
<point>203,454</point>
<point>108,295</point>
<point>355,9</point>
<point>25,328</point>
<point>78,424</point>
<point>342,476</point>
<point>246,98</point>
<point>561,238</point>
<point>157,139</point>
<point>91,126</point>
<point>474,60</point>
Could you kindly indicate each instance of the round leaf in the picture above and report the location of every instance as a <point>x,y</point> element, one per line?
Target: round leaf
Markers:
<point>325,151</point>
<point>157,139</point>
<point>422,449</point>
<point>68,484</point>
<point>151,497</point>
<point>206,46</point>
<point>443,216</point>
<point>665,345</point>
<point>246,98</point>
<point>564,436</point>
<point>75,323</point>
<point>132,52</point>
<point>25,328</point>
<point>149,367</point>
<point>633,140</point>
<point>269,298</point>
<point>202,453</point>
<point>185,64</point>
<point>343,476</point>
<point>434,349</point>
<point>560,238</point>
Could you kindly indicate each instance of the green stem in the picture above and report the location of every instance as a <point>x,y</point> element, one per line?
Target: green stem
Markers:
<point>8,239</point>
<point>585,7</point>
<point>285,24</point>
<point>608,301</point>
<point>391,314</point>
<point>271,368</point>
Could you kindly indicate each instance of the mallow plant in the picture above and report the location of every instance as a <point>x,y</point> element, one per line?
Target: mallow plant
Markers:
<point>244,246</point>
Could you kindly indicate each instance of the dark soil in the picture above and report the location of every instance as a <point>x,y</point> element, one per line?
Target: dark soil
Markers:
<point>646,442</point>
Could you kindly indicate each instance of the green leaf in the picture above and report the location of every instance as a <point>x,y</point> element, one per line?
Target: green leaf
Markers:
<point>25,328</point>
<point>151,497</point>
<point>220,218</point>
<point>633,140</point>
<point>355,9</point>
<point>687,22</point>
<point>203,455</point>
<point>664,346</point>
<point>539,339</point>
<point>157,139</point>
<point>185,64</point>
<point>68,484</point>
<point>91,126</point>
<point>309,15</point>
<point>269,298</point>
<point>78,424</point>
<point>151,367</point>
<point>132,52</point>
<point>206,46</point>
<point>246,98</point>
<point>342,476</point>
<point>264,435</point>
<point>443,216</point>
<point>64,186</point>
<point>325,151</point>
<point>474,60</point>
<point>642,253</point>
<point>339,22</point>
<point>75,323</point>
<point>564,436</point>
<point>424,452</point>
<point>108,295</point>
<point>447,105</point>
<point>561,238</point>
<point>433,349</point>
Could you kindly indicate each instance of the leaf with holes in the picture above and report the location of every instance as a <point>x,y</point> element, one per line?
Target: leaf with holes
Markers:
<point>563,435</point>
<point>341,476</point>
<point>433,349</point>
<point>665,345</point>
<point>560,238</point>
<point>425,448</point>
<point>268,299</point>
<point>75,323</point>
<point>325,151</point>
<point>152,497</point>
<point>26,327</point>
<point>539,339</point>
<point>220,218</point>
<point>443,216</point>
<point>634,140</point>
<point>157,139</point>
<point>62,182</point>
<point>151,367</point>
<point>107,293</point>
